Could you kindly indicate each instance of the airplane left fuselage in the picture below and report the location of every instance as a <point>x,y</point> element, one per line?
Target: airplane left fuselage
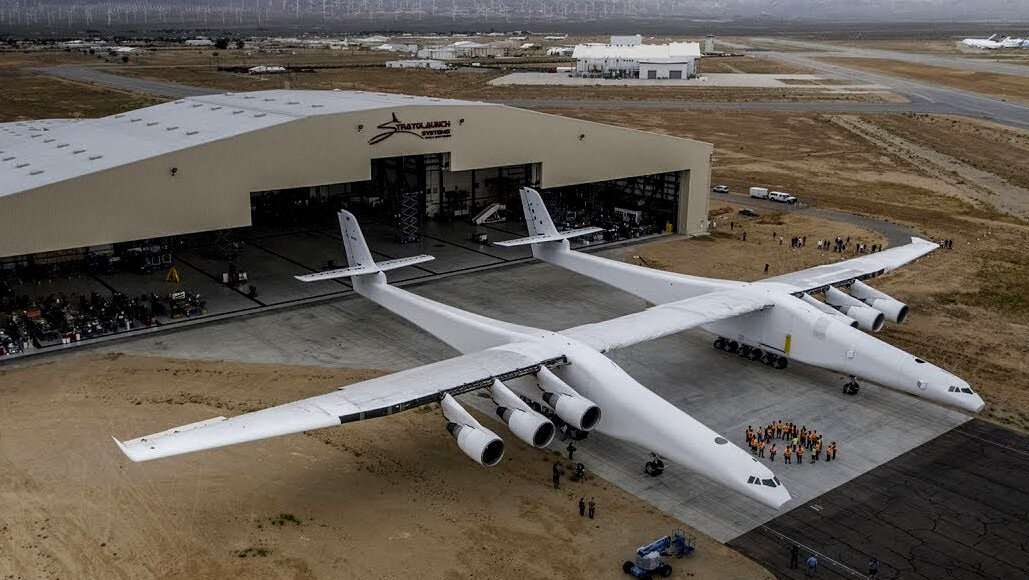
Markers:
<point>634,413</point>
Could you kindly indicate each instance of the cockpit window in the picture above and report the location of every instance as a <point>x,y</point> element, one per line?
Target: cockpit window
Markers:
<point>952,389</point>
<point>769,483</point>
<point>919,361</point>
<point>966,390</point>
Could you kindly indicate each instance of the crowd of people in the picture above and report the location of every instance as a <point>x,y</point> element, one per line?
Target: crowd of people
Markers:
<point>794,441</point>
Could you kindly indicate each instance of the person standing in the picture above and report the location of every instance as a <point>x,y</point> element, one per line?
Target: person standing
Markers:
<point>794,553</point>
<point>744,236</point>
<point>766,268</point>
<point>771,453</point>
<point>571,450</point>
<point>760,448</point>
<point>593,507</point>
<point>582,506</point>
<point>873,568</point>
<point>800,455</point>
<point>812,566</point>
<point>786,454</point>
<point>556,477</point>
<point>833,445</point>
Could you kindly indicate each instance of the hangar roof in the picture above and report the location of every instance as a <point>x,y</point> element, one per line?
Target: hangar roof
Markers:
<point>37,153</point>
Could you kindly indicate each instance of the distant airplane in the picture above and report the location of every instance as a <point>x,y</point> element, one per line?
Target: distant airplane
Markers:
<point>994,42</point>
<point>794,325</point>
<point>528,372</point>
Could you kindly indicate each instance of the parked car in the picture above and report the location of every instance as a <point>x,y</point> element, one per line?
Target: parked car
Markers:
<point>721,189</point>
<point>782,197</point>
<point>749,212</point>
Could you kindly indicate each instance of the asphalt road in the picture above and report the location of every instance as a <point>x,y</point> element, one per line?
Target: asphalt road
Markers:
<point>89,74</point>
<point>955,507</point>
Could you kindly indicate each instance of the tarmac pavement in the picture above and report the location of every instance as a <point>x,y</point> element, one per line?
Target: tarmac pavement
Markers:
<point>955,507</point>
<point>723,391</point>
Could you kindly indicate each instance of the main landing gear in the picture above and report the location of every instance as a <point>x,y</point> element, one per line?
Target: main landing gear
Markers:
<point>752,352</point>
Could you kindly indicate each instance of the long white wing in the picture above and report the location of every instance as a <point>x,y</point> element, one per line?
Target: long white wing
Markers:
<point>868,266</point>
<point>668,318</point>
<point>365,400</point>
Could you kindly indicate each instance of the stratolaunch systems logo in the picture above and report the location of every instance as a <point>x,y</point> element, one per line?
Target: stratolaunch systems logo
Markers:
<point>422,130</point>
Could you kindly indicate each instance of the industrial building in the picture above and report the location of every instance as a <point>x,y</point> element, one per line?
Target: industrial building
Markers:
<point>464,49</point>
<point>217,162</point>
<point>628,57</point>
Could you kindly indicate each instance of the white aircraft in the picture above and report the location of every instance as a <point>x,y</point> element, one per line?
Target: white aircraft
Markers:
<point>561,373</point>
<point>795,326</point>
<point>993,42</point>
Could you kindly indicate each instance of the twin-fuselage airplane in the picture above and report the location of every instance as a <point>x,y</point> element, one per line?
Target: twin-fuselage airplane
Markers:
<point>526,369</point>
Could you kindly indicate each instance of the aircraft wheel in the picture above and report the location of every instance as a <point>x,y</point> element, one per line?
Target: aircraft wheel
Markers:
<point>720,343</point>
<point>733,346</point>
<point>744,351</point>
<point>665,571</point>
<point>768,358</point>
<point>781,362</point>
<point>627,567</point>
<point>755,354</point>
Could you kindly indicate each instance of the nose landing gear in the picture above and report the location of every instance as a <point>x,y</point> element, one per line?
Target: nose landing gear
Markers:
<point>852,387</point>
<point>751,352</point>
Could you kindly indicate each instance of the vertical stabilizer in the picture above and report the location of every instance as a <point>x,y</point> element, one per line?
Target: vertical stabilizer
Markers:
<point>537,218</point>
<point>358,254</point>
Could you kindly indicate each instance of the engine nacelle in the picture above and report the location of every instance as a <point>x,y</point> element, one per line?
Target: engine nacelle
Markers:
<point>529,426</point>
<point>867,317</point>
<point>573,408</point>
<point>526,424</point>
<point>829,310</point>
<point>895,310</point>
<point>476,441</point>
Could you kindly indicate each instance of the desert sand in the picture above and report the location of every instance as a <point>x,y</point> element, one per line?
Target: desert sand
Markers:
<point>386,498</point>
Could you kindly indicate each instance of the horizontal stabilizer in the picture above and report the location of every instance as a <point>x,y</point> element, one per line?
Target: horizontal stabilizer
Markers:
<point>372,268</point>
<point>549,237</point>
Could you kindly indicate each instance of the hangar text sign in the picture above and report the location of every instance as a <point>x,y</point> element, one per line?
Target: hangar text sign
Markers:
<point>438,129</point>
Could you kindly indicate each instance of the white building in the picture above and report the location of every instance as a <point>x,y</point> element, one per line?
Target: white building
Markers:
<point>623,60</point>
<point>668,68</point>
<point>462,49</point>
<point>266,70</point>
<point>420,63</point>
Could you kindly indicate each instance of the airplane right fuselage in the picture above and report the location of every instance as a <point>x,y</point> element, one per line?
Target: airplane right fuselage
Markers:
<point>801,332</point>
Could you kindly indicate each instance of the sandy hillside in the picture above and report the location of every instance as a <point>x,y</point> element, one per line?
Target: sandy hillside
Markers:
<point>388,498</point>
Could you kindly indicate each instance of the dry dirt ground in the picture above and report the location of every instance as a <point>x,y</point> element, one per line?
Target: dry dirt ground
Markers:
<point>725,254</point>
<point>1008,87</point>
<point>970,305</point>
<point>386,498</point>
<point>25,94</point>
<point>363,70</point>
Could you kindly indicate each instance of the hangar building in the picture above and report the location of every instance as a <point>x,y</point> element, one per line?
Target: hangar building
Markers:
<point>208,163</point>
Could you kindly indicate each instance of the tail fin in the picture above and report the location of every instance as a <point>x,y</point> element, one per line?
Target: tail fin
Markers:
<point>359,257</point>
<point>541,226</point>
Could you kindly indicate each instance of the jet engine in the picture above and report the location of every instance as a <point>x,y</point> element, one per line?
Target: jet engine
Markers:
<point>526,424</point>
<point>829,310</point>
<point>576,410</point>
<point>867,317</point>
<point>477,442</point>
<point>895,310</point>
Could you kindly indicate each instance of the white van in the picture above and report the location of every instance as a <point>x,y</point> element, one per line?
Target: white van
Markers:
<point>782,197</point>
<point>759,192</point>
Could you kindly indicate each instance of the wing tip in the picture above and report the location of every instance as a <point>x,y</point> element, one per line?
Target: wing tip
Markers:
<point>125,450</point>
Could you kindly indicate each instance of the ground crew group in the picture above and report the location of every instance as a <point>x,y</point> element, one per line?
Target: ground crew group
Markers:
<point>795,440</point>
